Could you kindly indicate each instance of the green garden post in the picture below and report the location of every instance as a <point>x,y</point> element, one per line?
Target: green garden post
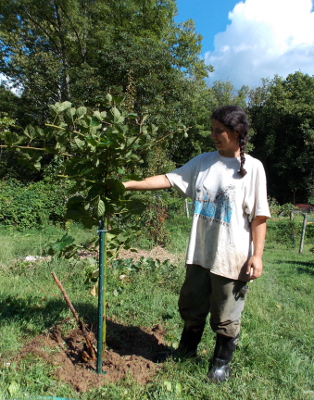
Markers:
<point>102,331</point>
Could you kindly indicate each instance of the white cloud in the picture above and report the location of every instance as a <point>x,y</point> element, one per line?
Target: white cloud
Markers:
<point>264,38</point>
<point>7,83</point>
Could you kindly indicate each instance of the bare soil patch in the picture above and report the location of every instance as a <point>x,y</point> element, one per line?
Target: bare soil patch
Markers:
<point>158,253</point>
<point>130,352</point>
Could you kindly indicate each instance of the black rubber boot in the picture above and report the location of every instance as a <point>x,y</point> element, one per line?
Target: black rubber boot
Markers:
<point>223,352</point>
<point>190,339</point>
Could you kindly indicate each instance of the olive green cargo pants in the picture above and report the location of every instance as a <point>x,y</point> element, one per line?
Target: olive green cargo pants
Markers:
<point>203,293</point>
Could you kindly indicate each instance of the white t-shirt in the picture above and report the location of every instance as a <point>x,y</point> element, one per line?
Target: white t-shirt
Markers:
<point>224,205</point>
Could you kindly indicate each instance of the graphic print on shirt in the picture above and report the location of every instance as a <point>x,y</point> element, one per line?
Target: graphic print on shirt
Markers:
<point>217,206</point>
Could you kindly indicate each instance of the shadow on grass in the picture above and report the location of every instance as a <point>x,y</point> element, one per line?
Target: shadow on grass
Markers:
<point>37,310</point>
<point>304,267</point>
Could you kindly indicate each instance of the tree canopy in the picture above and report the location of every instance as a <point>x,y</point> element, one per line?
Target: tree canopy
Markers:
<point>282,115</point>
<point>78,50</point>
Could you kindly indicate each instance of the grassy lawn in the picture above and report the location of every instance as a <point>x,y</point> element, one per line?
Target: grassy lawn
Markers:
<point>274,358</point>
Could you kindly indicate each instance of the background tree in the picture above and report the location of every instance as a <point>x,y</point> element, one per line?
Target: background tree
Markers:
<point>282,116</point>
<point>77,50</point>
<point>9,103</point>
<point>198,109</point>
<point>61,50</point>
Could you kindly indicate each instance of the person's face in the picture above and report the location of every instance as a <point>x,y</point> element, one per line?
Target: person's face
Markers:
<point>226,140</point>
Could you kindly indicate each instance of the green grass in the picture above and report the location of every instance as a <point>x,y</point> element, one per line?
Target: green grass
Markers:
<point>274,358</point>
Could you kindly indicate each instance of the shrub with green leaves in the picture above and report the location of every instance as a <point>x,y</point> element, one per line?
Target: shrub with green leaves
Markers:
<point>31,206</point>
<point>288,232</point>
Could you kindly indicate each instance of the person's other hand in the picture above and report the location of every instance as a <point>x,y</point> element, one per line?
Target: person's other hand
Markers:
<point>254,267</point>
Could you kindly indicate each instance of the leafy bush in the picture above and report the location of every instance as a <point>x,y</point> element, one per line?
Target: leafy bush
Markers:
<point>282,210</point>
<point>274,206</point>
<point>288,232</point>
<point>309,232</point>
<point>282,231</point>
<point>31,206</point>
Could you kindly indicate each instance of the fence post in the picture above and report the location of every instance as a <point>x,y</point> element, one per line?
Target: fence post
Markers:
<point>187,208</point>
<point>303,234</point>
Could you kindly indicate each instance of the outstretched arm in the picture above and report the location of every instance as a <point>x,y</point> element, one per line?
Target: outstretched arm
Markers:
<point>255,263</point>
<point>152,183</point>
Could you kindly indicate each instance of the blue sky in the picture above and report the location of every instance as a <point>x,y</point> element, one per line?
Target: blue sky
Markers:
<point>248,40</point>
<point>210,17</point>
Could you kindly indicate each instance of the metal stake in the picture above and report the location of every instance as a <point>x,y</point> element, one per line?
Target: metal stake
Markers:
<point>101,339</point>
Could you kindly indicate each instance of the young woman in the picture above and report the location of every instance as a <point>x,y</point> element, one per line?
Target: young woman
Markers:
<point>228,189</point>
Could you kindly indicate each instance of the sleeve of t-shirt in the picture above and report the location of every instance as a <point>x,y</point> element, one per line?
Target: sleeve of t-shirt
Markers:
<point>183,179</point>
<point>257,203</point>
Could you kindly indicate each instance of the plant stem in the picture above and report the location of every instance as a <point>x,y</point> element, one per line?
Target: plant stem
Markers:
<point>78,320</point>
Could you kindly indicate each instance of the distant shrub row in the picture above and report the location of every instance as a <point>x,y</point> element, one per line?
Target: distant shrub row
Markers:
<point>42,203</point>
<point>288,232</point>
<point>31,206</point>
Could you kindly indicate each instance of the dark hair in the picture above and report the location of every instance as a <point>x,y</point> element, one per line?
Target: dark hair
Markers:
<point>233,117</point>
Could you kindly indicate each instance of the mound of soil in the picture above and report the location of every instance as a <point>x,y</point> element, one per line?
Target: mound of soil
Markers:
<point>158,253</point>
<point>130,352</point>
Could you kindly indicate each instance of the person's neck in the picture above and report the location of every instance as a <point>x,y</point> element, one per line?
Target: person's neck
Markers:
<point>230,153</point>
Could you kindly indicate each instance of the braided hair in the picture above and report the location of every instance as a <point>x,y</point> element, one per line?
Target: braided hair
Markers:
<point>234,118</point>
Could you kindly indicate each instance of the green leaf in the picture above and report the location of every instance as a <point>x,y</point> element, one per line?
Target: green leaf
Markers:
<point>117,118</point>
<point>134,157</point>
<point>118,99</point>
<point>59,107</point>
<point>70,113</point>
<point>81,215</point>
<point>132,116</point>
<point>108,97</point>
<point>101,208</point>
<point>51,150</point>
<point>81,111</point>
<point>115,189</point>
<point>37,165</point>
<point>96,190</point>
<point>178,388</point>
<point>133,177</point>
<point>122,237</point>
<point>91,141</point>
<point>135,207</point>
<point>65,105</point>
<point>65,241</point>
<point>104,143</point>
<point>152,129</point>
<point>95,123</point>
<point>75,200</point>
<point>168,386</point>
<point>80,143</point>
<point>30,132</point>
<point>13,388</point>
